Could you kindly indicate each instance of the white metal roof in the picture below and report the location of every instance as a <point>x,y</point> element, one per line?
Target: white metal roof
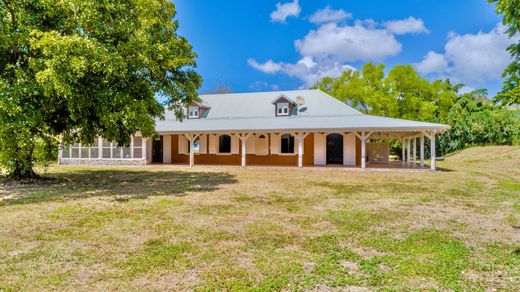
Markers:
<point>255,112</point>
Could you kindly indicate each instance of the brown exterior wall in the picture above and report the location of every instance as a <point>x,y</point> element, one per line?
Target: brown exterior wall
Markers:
<point>251,159</point>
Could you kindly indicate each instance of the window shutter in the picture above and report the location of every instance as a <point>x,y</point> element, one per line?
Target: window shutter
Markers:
<point>275,144</point>
<point>183,144</point>
<point>212,144</point>
<point>235,149</point>
<point>203,144</point>
<point>251,144</point>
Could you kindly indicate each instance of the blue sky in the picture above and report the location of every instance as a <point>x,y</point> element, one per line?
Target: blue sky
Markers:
<point>260,45</point>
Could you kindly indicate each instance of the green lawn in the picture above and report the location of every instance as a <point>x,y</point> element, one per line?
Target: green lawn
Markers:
<point>165,228</point>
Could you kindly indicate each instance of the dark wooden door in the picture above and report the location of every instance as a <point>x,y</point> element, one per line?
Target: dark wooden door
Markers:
<point>157,150</point>
<point>334,149</point>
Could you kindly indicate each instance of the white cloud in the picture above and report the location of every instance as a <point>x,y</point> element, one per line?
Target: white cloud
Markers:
<point>478,57</point>
<point>333,45</point>
<point>432,63</point>
<point>405,26</point>
<point>285,10</point>
<point>471,58</point>
<point>327,14</point>
<point>269,67</point>
<point>307,70</point>
<point>348,43</point>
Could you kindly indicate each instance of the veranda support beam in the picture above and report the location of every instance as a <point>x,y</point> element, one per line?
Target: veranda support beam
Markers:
<point>300,136</point>
<point>191,138</point>
<point>243,140</point>
<point>408,154</point>
<point>403,150</point>
<point>421,154</point>
<point>433,157</point>
<point>414,154</point>
<point>363,150</point>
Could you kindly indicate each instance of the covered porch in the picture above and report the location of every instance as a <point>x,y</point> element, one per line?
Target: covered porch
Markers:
<point>359,149</point>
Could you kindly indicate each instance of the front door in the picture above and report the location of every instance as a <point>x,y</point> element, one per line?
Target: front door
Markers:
<point>157,149</point>
<point>334,149</point>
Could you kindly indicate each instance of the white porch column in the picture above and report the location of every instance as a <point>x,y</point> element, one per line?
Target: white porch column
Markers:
<point>433,157</point>
<point>414,154</point>
<point>100,147</point>
<point>144,141</point>
<point>403,148</point>
<point>421,152</point>
<point>300,150</point>
<point>191,138</point>
<point>132,147</point>
<point>243,139</point>
<point>363,150</point>
<point>408,146</point>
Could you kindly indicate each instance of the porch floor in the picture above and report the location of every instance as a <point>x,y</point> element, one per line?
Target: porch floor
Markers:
<point>391,166</point>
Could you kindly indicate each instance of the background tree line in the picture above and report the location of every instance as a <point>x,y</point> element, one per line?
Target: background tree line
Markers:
<point>404,93</point>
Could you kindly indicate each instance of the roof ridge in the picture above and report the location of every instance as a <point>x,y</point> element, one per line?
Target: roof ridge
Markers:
<point>259,92</point>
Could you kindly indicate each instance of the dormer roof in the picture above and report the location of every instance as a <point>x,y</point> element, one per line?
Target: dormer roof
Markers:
<point>282,97</point>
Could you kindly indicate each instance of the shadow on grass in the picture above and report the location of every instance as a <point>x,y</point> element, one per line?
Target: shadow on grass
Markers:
<point>122,185</point>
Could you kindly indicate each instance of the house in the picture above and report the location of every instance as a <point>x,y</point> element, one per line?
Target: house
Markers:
<point>293,128</point>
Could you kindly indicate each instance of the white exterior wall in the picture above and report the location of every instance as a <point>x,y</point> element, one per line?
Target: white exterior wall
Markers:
<point>349,149</point>
<point>251,144</point>
<point>320,149</point>
<point>235,144</point>
<point>212,144</point>
<point>167,149</point>
<point>203,144</point>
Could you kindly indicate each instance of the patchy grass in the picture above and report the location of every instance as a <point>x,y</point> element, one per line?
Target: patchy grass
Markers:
<point>165,228</point>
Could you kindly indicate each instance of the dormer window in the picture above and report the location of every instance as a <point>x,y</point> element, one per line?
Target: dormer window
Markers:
<point>282,108</point>
<point>193,112</point>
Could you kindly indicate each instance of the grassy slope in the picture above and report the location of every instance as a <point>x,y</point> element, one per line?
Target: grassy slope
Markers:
<point>161,228</point>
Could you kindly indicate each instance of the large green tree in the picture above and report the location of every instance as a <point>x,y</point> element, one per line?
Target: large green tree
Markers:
<point>403,93</point>
<point>510,9</point>
<point>77,69</point>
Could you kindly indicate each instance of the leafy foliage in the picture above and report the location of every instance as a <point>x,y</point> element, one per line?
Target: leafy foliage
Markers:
<point>511,89</point>
<point>403,93</point>
<point>79,69</point>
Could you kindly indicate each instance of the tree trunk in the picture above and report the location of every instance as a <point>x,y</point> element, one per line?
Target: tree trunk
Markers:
<point>23,167</point>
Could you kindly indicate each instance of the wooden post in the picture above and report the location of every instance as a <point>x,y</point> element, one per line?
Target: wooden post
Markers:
<point>408,155</point>
<point>243,139</point>
<point>414,155</point>
<point>403,154</point>
<point>300,149</point>
<point>100,148</point>
<point>192,148</point>
<point>132,147</point>
<point>144,152</point>
<point>433,157</point>
<point>421,152</point>
<point>363,150</point>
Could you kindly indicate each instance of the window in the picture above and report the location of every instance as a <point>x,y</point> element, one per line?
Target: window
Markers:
<point>193,112</point>
<point>282,109</point>
<point>224,144</point>
<point>287,143</point>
